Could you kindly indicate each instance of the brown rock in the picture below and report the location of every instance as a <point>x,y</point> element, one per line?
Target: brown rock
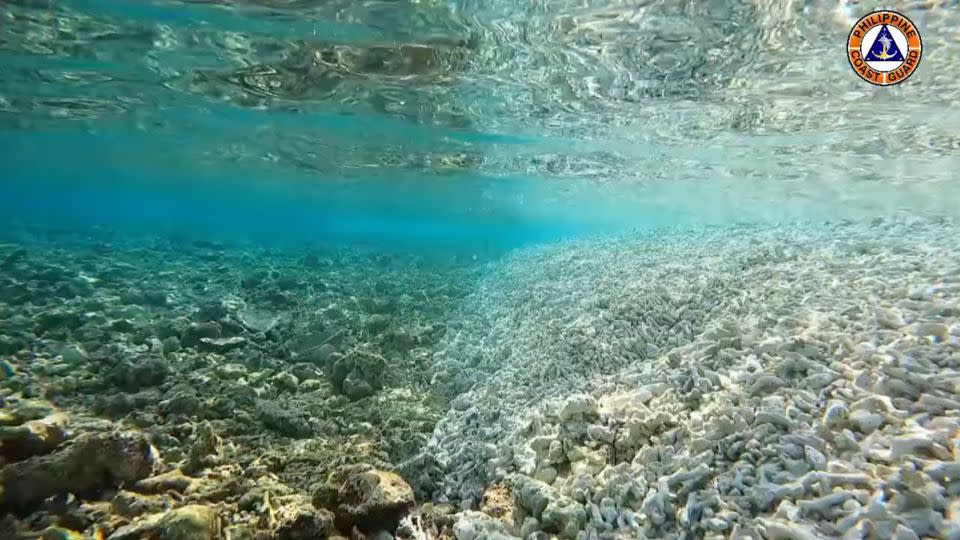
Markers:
<point>367,498</point>
<point>91,463</point>
<point>498,503</point>
<point>173,480</point>
<point>34,437</point>
<point>131,505</point>
<point>192,522</point>
<point>297,519</point>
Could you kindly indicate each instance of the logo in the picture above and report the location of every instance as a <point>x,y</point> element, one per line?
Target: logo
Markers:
<point>884,48</point>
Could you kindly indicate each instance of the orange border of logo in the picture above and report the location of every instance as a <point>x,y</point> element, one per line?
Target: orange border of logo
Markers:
<point>912,55</point>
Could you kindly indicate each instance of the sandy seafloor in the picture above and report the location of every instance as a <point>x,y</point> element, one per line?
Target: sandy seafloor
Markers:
<point>746,381</point>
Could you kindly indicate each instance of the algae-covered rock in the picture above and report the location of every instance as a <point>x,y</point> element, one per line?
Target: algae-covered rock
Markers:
<point>191,522</point>
<point>565,517</point>
<point>366,498</point>
<point>377,323</point>
<point>532,495</point>
<point>499,503</point>
<point>10,344</point>
<point>73,353</point>
<point>194,333</point>
<point>288,420</point>
<point>356,387</point>
<point>212,312</point>
<point>285,381</point>
<point>358,374</point>
<point>320,356</point>
<point>222,345</point>
<point>34,437</point>
<point>141,373</point>
<point>130,505</point>
<point>182,400</point>
<point>173,480</point>
<point>473,525</point>
<point>91,463</point>
<point>206,450</point>
<point>57,319</point>
<point>298,519</point>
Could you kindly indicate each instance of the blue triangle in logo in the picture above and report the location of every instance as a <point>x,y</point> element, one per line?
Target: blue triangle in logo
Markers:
<point>884,48</point>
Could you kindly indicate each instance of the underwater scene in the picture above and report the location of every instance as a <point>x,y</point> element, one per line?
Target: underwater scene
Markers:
<point>479,269</point>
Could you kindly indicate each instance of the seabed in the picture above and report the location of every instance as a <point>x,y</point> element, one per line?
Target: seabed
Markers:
<point>745,382</point>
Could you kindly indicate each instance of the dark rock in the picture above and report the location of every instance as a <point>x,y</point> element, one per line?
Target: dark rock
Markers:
<point>154,298</point>
<point>287,283</point>
<point>141,373</point>
<point>15,293</point>
<point>424,473</point>
<point>355,387</point>
<point>252,281</point>
<point>32,390</point>
<point>10,344</point>
<point>184,403</point>
<point>195,332</point>
<point>222,345</point>
<point>165,329</point>
<point>12,257</point>
<point>381,305</point>
<point>211,312</point>
<point>230,328</point>
<point>287,419</point>
<point>116,405</point>
<point>304,371</point>
<point>377,323</point>
<point>358,374</point>
<point>123,403</point>
<point>65,291</point>
<point>76,519</point>
<point>305,344</point>
<point>281,299</point>
<point>399,341</point>
<point>57,319</point>
<point>131,505</point>
<point>206,450</point>
<point>171,345</point>
<point>123,325</point>
<point>252,500</point>
<point>320,356</point>
<point>224,408</point>
<point>90,464</point>
<point>208,244</point>
<point>8,527</point>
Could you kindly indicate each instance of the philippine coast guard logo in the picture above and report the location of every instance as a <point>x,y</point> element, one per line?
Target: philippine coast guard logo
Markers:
<point>884,48</point>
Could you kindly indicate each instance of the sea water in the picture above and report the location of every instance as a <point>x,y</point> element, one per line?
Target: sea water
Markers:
<point>486,269</point>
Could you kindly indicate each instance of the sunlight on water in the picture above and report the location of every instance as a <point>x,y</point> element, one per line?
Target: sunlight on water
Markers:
<point>478,270</point>
<point>690,111</point>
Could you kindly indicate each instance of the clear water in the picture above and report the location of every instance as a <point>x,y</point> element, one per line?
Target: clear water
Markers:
<point>437,216</point>
<point>490,122</point>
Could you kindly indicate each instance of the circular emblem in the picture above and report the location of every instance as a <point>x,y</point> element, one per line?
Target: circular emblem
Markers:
<point>884,48</point>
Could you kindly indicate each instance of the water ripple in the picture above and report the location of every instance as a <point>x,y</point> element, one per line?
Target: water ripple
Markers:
<point>614,92</point>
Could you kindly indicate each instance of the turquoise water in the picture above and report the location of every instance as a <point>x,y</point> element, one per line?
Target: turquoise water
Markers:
<point>499,123</point>
<point>475,269</point>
